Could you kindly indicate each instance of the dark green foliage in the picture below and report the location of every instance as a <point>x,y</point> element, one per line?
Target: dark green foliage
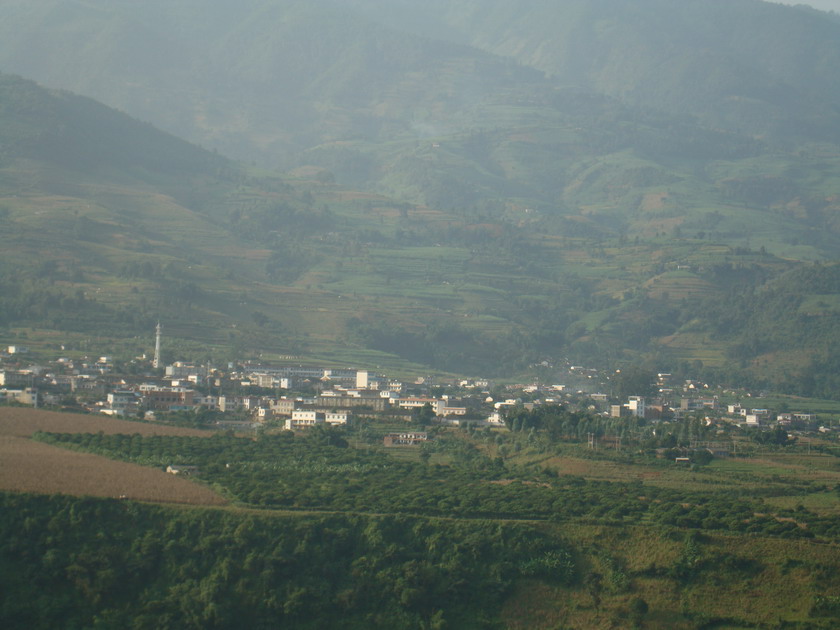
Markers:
<point>776,437</point>
<point>633,380</point>
<point>555,566</point>
<point>75,132</point>
<point>320,472</point>
<point>101,563</point>
<point>423,415</point>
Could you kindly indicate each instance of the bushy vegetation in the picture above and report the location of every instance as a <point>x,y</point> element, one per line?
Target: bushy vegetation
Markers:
<point>323,533</point>
<point>320,472</point>
<point>107,564</point>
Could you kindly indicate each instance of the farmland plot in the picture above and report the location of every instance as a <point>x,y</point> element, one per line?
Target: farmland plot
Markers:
<point>27,466</point>
<point>24,421</point>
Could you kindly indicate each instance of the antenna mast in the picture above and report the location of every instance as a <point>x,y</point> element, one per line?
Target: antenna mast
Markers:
<point>156,363</point>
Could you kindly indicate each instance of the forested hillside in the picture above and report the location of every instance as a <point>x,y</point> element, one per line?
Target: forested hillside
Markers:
<point>462,189</point>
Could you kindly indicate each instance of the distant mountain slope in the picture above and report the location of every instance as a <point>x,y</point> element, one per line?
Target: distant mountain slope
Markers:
<point>260,78</point>
<point>107,223</point>
<point>77,132</point>
<point>447,209</point>
<point>478,103</point>
<point>746,65</point>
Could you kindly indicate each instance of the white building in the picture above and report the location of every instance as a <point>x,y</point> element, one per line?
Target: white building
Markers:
<point>753,419</point>
<point>416,403</point>
<point>636,405</point>
<point>121,402</point>
<point>362,379</point>
<point>495,419</point>
<point>446,411</point>
<point>27,396</point>
<point>337,417</point>
<point>305,418</point>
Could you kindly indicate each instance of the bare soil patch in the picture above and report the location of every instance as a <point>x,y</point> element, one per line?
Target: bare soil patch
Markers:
<point>27,466</point>
<point>23,422</point>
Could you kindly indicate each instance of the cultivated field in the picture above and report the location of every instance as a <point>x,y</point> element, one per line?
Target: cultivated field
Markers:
<point>23,422</point>
<point>27,466</point>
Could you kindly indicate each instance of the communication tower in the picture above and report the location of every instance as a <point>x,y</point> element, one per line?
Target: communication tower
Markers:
<point>156,362</point>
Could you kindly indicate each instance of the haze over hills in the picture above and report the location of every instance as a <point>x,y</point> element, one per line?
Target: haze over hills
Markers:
<point>345,87</point>
<point>474,188</point>
<point>747,65</point>
<point>823,5</point>
<point>469,188</point>
<point>743,65</point>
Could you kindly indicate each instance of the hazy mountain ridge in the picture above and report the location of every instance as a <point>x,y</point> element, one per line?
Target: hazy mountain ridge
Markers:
<point>515,217</point>
<point>335,83</point>
<point>746,65</point>
<point>258,79</point>
<point>77,132</point>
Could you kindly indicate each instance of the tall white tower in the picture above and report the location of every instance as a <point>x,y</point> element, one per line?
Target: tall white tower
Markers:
<point>156,363</point>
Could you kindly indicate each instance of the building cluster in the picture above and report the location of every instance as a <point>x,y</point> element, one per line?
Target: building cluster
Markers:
<point>300,397</point>
<point>693,399</point>
<point>252,393</point>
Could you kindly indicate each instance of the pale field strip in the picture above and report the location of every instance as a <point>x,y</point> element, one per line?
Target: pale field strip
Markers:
<point>24,421</point>
<point>27,466</point>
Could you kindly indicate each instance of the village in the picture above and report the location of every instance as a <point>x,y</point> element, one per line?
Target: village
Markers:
<point>253,396</point>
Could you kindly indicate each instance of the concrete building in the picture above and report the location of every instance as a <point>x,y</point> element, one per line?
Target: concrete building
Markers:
<point>9,378</point>
<point>415,438</point>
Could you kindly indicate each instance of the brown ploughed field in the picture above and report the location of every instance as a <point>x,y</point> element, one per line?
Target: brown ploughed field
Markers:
<point>27,466</point>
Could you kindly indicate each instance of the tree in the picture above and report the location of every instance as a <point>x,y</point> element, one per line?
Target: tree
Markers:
<point>633,381</point>
<point>638,609</point>
<point>327,436</point>
<point>423,415</point>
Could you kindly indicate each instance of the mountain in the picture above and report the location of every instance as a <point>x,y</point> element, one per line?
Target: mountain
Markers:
<point>520,98</point>
<point>74,132</point>
<point>258,79</point>
<point>744,65</point>
<point>107,223</point>
<point>245,76</point>
<point>451,200</point>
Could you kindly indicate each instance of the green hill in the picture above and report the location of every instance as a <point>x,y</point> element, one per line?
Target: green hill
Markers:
<point>444,207</point>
